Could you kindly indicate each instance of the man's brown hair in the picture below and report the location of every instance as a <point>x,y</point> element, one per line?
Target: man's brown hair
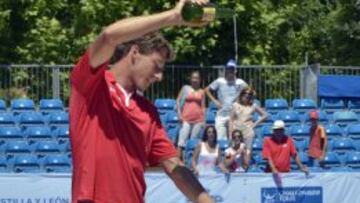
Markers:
<point>147,44</point>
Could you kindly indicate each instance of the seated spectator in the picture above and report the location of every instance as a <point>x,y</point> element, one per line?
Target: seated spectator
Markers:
<point>318,140</point>
<point>278,149</point>
<point>241,118</point>
<point>191,109</point>
<point>235,155</point>
<point>207,154</point>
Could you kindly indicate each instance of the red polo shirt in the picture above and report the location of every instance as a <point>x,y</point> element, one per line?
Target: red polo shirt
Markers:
<point>111,142</point>
<point>279,152</point>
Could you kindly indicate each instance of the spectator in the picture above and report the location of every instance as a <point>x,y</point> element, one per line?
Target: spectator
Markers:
<point>241,118</point>
<point>278,149</point>
<point>235,155</point>
<point>227,89</point>
<point>207,154</point>
<point>191,109</point>
<point>318,140</point>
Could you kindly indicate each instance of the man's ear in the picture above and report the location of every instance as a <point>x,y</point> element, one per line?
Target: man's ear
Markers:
<point>134,52</point>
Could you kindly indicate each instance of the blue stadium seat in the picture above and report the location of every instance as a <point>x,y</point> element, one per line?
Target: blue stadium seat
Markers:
<point>254,169</point>
<point>173,130</point>
<point>210,118</point>
<point>331,159</point>
<point>17,147</point>
<point>223,144</point>
<point>37,133</point>
<point>22,105</point>
<point>266,131</point>
<point>165,104</point>
<point>332,104</point>
<point>323,118</point>
<point>260,162</point>
<point>300,132</point>
<point>257,146</point>
<point>7,119</point>
<point>59,118</point>
<point>48,105</point>
<point>66,147</point>
<point>300,145</point>
<point>57,164</point>
<point>353,131</point>
<point>303,105</point>
<point>10,133</point>
<point>191,144</point>
<point>343,118</point>
<point>26,163</point>
<point>268,121</point>
<point>172,117</point>
<point>3,164</point>
<point>333,131</point>
<point>47,147</point>
<point>303,158</point>
<point>354,105</point>
<point>189,149</point>
<point>289,117</point>
<point>316,169</point>
<point>353,160</point>
<point>2,105</point>
<point>61,133</point>
<point>163,118</point>
<point>212,107</point>
<point>31,118</point>
<point>273,106</point>
<point>343,145</point>
<point>341,169</point>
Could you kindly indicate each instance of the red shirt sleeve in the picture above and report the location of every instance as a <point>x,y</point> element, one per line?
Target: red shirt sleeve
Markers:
<point>266,153</point>
<point>161,146</point>
<point>84,77</point>
<point>293,151</point>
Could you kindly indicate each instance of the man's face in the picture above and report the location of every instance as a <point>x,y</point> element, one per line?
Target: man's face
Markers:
<point>148,68</point>
<point>278,132</point>
<point>229,74</point>
<point>314,122</point>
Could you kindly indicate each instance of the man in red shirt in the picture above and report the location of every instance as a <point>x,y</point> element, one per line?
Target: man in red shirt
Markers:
<point>116,133</point>
<point>318,140</point>
<point>278,149</point>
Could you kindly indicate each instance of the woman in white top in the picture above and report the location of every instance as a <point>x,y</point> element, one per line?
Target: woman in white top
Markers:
<point>207,154</point>
<point>235,155</point>
<point>241,118</point>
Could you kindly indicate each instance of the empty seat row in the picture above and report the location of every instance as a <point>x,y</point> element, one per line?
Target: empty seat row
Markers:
<point>41,147</point>
<point>34,118</point>
<point>28,104</point>
<point>30,163</point>
<point>33,133</point>
<point>281,104</point>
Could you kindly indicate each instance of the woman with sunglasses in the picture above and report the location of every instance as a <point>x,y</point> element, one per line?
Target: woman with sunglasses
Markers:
<point>234,160</point>
<point>241,118</point>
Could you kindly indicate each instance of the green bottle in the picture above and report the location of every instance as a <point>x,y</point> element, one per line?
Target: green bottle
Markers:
<point>204,13</point>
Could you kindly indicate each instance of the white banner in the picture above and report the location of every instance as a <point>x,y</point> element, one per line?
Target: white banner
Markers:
<point>238,188</point>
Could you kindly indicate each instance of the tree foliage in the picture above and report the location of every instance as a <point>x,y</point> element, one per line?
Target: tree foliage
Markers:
<point>269,31</point>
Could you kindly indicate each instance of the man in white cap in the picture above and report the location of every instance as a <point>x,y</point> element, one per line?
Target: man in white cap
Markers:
<point>278,149</point>
<point>227,89</point>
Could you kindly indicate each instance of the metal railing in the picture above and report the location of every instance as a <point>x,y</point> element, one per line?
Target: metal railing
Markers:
<point>52,81</point>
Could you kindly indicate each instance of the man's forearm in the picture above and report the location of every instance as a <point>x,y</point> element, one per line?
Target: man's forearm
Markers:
<point>186,181</point>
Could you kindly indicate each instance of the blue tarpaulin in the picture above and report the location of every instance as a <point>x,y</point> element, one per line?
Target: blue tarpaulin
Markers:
<point>339,86</point>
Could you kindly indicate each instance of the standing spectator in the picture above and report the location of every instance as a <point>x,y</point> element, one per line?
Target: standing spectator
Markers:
<point>318,140</point>
<point>241,118</point>
<point>278,149</point>
<point>227,89</point>
<point>191,109</point>
<point>207,154</point>
<point>235,155</point>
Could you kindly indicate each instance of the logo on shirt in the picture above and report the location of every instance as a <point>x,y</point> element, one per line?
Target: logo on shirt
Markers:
<point>285,145</point>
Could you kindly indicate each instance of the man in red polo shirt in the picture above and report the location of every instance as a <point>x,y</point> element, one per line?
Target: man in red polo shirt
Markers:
<point>278,149</point>
<point>116,133</point>
<point>318,140</point>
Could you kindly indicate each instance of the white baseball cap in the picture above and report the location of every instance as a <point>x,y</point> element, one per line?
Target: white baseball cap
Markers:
<point>278,124</point>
